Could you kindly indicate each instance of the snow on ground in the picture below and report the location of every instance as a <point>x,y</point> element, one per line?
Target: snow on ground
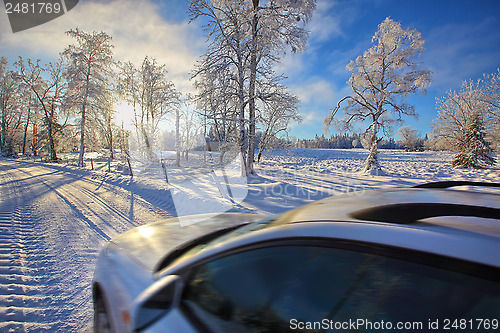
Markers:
<point>53,221</point>
<point>54,218</point>
<point>288,178</point>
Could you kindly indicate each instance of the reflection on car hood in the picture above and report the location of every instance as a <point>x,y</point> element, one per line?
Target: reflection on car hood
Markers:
<point>149,243</point>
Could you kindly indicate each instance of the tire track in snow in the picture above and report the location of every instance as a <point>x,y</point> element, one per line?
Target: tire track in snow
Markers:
<point>143,195</point>
<point>155,204</point>
<point>64,196</point>
<point>89,208</point>
<point>144,204</point>
<point>67,283</point>
<point>61,220</point>
<point>21,306</point>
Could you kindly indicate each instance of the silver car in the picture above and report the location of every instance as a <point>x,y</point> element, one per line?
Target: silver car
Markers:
<point>419,259</point>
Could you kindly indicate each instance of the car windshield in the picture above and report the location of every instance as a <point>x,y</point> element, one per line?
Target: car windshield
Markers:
<point>219,237</point>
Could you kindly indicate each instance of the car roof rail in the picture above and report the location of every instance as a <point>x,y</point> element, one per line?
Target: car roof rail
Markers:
<point>453,183</point>
<point>410,213</point>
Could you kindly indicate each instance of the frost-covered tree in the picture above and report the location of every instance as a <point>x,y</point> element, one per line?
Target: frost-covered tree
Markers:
<point>9,107</point>
<point>190,128</point>
<point>461,125</point>
<point>246,38</point>
<point>410,138</point>
<point>492,89</point>
<point>89,71</point>
<point>475,152</point>
<point>492,97</point>
<point>49,88</point>
<point>280,108</point>
<point>104,129</point>
<point>382,78</point>
<point>226,61</point>
<point>219,99</point>
<point>276,26</point>
<point>151,95</point>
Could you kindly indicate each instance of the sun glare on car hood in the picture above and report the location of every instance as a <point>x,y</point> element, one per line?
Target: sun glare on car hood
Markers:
<point>149,243</point>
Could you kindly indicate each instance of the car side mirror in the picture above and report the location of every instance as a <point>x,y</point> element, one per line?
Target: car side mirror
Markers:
<point>156,301</point>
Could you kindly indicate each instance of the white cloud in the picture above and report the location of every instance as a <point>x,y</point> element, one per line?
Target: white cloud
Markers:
<point>317,91</point>
<point>324,25</point>
<point>317,96</point>
<point>137,30</point>
<point>311,118</point>
<point>292,64</point>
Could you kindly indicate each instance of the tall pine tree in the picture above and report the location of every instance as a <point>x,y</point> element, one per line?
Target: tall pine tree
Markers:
<point>475,152</point>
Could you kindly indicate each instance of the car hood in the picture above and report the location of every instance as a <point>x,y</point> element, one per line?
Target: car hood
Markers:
<point>149,243</point>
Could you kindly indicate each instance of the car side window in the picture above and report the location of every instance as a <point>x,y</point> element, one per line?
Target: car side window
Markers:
<point>273,289</point>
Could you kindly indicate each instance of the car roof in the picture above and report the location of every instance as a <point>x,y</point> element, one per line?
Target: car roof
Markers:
<point>422,208</point>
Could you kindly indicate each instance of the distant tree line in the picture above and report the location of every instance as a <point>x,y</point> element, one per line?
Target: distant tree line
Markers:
<point>345,141</point>
<point>335,141</point>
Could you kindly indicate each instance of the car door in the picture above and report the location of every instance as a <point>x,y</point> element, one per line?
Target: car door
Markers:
<point>305,285</point>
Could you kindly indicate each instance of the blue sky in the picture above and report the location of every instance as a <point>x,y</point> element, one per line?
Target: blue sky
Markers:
<point>462,42</point>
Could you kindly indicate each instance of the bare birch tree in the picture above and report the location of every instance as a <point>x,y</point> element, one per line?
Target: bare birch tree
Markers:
<point>190,128</point>
<point>219,99</point>
<point>151,95</point>
<point>89,71</point>
<point>279,109</point>
<point>382,78</point>
<point>50,93</point>
<point>228,30</point>
<point>276,25</point>
<point>103,124</point>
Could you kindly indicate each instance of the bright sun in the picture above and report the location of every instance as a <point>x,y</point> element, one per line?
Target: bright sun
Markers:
<point>124,114</point>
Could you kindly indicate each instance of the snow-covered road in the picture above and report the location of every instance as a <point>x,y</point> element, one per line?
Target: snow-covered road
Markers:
<point>52,225</point>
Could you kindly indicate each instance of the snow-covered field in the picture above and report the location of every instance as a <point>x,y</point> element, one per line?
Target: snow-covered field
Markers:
<point>55,218</point>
